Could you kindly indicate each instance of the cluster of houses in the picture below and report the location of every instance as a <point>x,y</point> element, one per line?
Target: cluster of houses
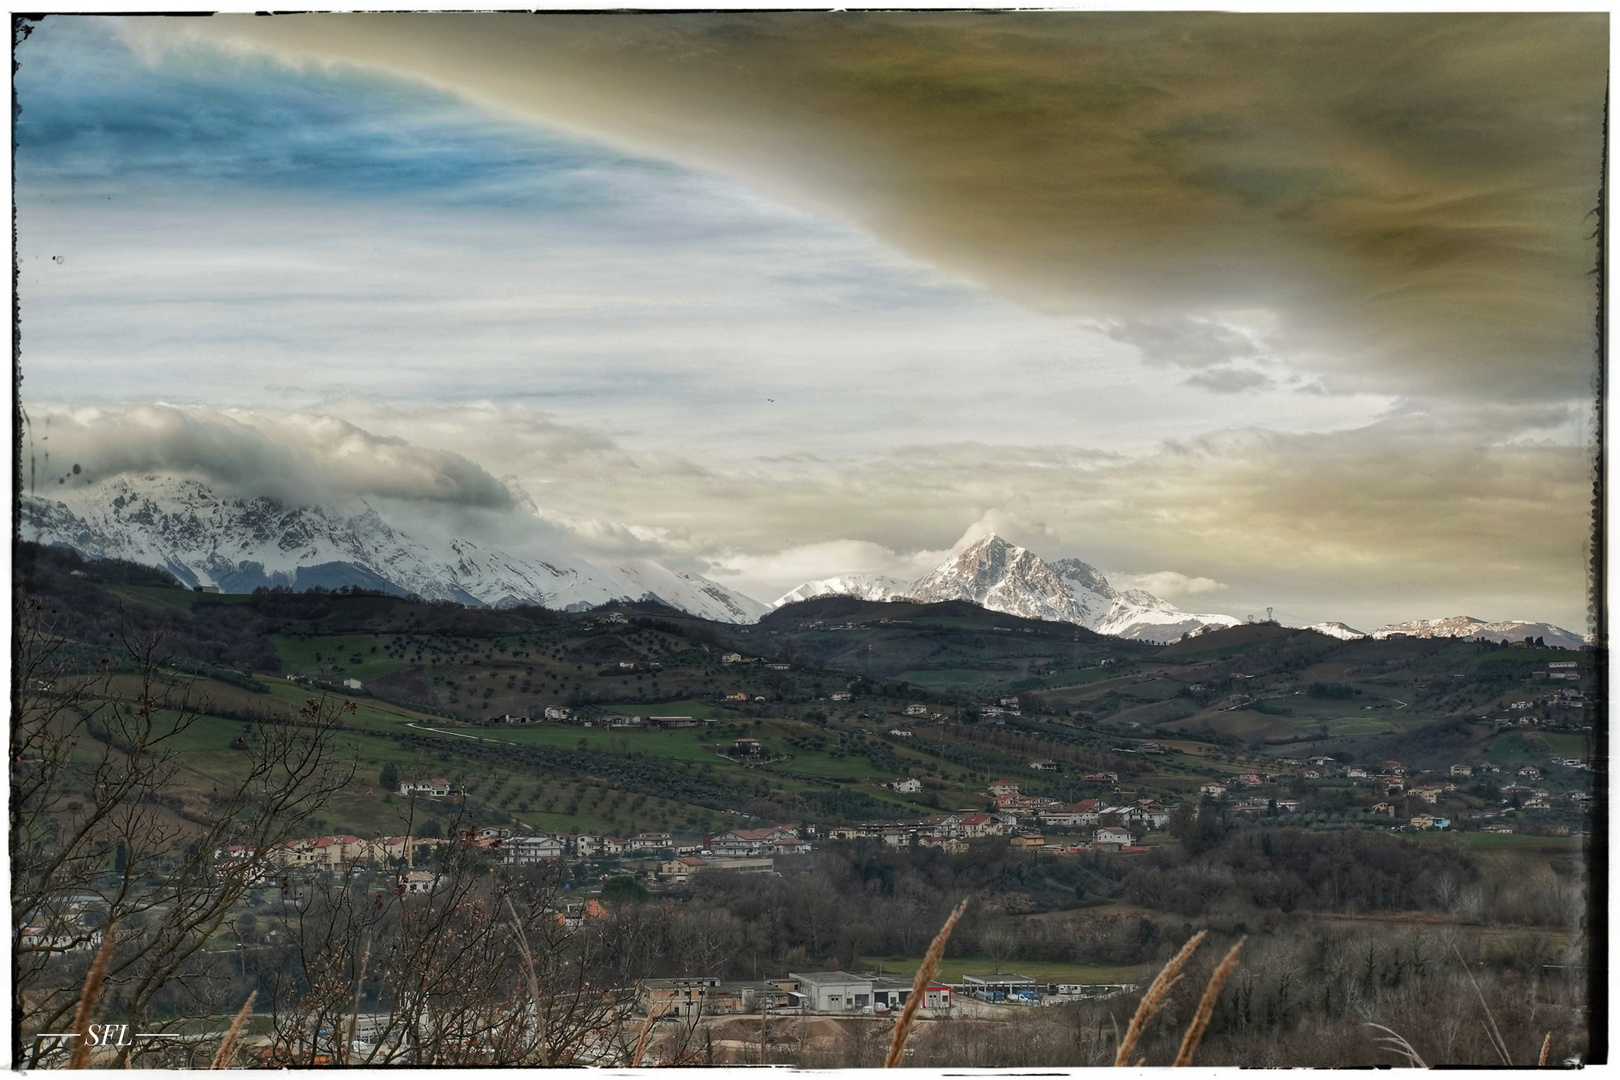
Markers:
<point>327,852</point>
<point>950,833</point>
<point>1396,784</point>
<point>559,714</point>
<point>71,924</point>
<point>998,711</point>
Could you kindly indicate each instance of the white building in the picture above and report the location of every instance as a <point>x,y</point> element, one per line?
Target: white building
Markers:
<point>529,850</point>
<point>436,788</point>
<point>833,991</point>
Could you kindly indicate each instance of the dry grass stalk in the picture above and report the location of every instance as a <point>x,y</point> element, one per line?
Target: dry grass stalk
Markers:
<point>1153,1000</point>
<point>919,988</point>
<point>641,1040</point>
<point>1206,1005</point>
<point>227,1045</point>
<point>1395,1044</point>
<point>1492,1031</point>
<point>1546,1045</point>
<point>88,996</point>
<point>354,1016</point>
<point>527,958</point>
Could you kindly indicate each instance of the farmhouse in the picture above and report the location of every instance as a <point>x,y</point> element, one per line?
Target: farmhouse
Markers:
<point>1112,839</point>
<point>436,788</point>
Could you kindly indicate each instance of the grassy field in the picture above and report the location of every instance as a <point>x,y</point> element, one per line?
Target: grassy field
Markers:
<point>1517,842</point>
<point>1568,745</point>
<point>336,656</point>
<point>946,680</point>
<point>1345,725</point>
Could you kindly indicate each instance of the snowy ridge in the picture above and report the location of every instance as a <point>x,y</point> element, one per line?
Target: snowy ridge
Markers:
<point>1464,626</point>
<point>1336,630</point>
<point>238,544</point>
<point>860,586</point>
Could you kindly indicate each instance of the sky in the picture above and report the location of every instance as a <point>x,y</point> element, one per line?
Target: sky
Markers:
<point>1253,310</point>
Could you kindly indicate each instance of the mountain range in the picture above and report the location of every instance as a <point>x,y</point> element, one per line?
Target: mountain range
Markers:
<point>237,544</point>
<point>1003,577</point>
<point>1464,626</point>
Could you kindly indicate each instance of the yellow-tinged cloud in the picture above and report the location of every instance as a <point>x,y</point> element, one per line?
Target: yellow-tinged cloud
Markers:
<point>1415,515</point>
<point>1407,196</point>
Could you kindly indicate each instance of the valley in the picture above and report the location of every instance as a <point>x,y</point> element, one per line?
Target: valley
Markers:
<point>1097,795</point>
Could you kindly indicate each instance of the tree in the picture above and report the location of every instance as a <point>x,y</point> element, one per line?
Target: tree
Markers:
<point>389,777</point>
<point>489,967</point>
<point>623,889</point>
<point>104,843</point>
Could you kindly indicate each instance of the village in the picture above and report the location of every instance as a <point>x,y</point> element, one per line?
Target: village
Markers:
<point>1395,797</point>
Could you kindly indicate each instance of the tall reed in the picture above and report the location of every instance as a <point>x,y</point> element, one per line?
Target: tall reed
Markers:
<point>88,997</point>
<point>919,988</point>
<point>227,1045</point>
<point>1206,1005</point>
<point>1153,1000</point>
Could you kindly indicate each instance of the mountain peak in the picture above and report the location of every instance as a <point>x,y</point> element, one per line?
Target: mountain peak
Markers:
<point>1001,576</point>
<point>993,545</point>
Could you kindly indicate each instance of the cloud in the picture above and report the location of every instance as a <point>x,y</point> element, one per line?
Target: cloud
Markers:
<point>456,257</point>
<point>1407,195</point>
<point>668,362</point>
<point>1188,342</point>
<point>774,573</point>
<point>298,459</point>
<point>1229,380</point>
<point>1165,584</point>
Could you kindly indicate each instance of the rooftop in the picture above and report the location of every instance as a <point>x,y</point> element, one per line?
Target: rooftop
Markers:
<point>828,977</point>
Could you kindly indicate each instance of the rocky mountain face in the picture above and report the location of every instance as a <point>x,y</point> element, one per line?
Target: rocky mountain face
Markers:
<point>236,544</point>
<point>1003,577</point>
<point>996,575</point>
<point>1463,626</point>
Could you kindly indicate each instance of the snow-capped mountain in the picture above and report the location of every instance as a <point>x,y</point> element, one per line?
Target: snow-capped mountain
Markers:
<point>1337,630</point>
<point>997,575</point>
<point>860,586</point>
<point>1463,626</point>
<point>237,544</point>
<point>1003,577</point>
<point>1139,614</point>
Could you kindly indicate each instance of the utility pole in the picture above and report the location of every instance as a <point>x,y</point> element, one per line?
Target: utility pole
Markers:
<point>764,1018</point>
